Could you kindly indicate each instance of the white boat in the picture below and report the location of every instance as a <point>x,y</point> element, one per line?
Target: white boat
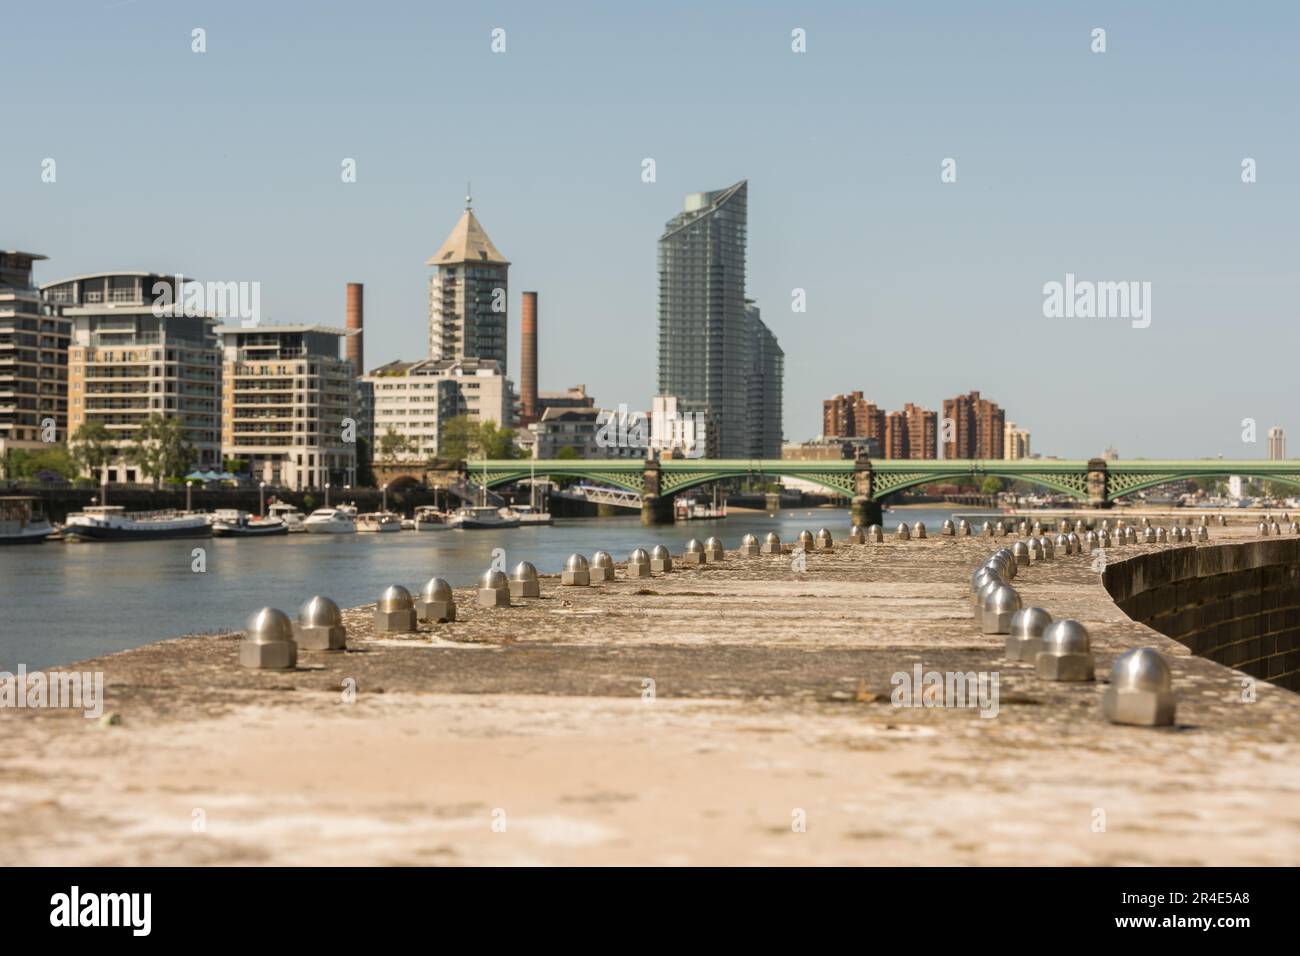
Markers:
<point>331,521</point>
<point>528,515</point>
<point>289,514</point>
<point>231,523</point>
<point>113,523</point>
<point>379,521</point>
<point>21,523</point>
<point>429,518</point>
<point>481,517</point>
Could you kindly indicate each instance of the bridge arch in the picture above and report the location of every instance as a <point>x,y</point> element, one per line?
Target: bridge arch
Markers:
<point>1132,484</point>
<point>895,483</point>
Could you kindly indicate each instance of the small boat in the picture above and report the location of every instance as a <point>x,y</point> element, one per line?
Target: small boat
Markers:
<point>481,517</point>
<point>528,515</point>
<point>289,514</point>
<point>379,521</point>
<point>429,518</point>
<point>21,523</point>
<point>230,523</point>
<point>113,523</point>
<point>331,521</point>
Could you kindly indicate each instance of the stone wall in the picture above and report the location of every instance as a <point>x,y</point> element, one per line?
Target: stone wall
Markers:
<point>1236,604</point>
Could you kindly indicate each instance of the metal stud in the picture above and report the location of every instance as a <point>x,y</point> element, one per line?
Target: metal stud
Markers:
<point>395,611</point>
<point>986,530</point>
<point>638,564</point>
<point>806,540</point>
<point>903,532</point>
<point>576,573</point>
<point>985,591</point>
<point>856,535</point>
<point>1141,690</point>
<point>824,541</point>
<point>999,604</point>
<point>320,626</point>
<point>602,567</point>
<point>949,529</point>
<point>963,528</point>
<point>1000,529</point>
<point>1162,536</point>
<point>1063,542</point>
<point>1076,544</point>
<point>268,642</point>
<point>1202,534</point>
<point>982,576</point>
<point>1090,540</point>
<point>1066,653</point>
<point>1049,550</point>
<point>748,546</point>
<point>1079,526</point>
<point>523,581</point>
<point>694,553</point>
<point>1063,526</point>
<point>713,550</point>
<point>1026,637</point>
<point>1263,528</point>
<point>493,589</point>
<point>1020,551</point>
<point>1149,535</point>
<point>875,534</point>
<point>1035,548</point>
<point>771,543</point>
<point>436,603</point>
<point>660,559</point>
<point>918,529</point>
<point>1274,528</point>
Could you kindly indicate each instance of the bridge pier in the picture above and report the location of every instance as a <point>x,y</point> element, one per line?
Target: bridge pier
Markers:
<point>655,508</point>
<point>864,509</point>
<point>1098,484</point>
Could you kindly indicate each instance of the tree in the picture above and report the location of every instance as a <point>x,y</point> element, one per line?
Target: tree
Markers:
<point>160,449</point>
<point>567,453</point>
<point>29,464</point>
<point>93,447</point>
<point>391,444</point>
<point>498,442</point>
<point>460,439</point>
<point>991,485</point>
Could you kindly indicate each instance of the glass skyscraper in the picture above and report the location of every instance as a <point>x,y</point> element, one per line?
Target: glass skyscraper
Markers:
<point>715,354</point>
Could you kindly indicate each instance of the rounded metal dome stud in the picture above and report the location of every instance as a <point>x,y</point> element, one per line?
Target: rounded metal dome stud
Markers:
<point>1202,534</point>
<point>577,573</point>
<point>1020,551</point>
<point>493,589</point>
<point>1063,526</point>
<point>856,535</point>
<point>1035,549</point>
<point>638,564</point>
<point>986,530</point>
<point>824,540</point>
<point>949,529</point>
<point>963,528</point>
<point>806,541</point>
<point>748,546</point>
<point>660,559</point>
<point>1130,536</point>
<point>524,582</point>
<point>320,626</point>
<point>602,567</point>
<point>268,642</point>
<point>1001,564</point>
<point>1063,543</point>
<point>999,604</point>
<point>1105,524</point>
<point>903,532</point>
<point>694,553</point>
<point>1090,541</point>
<point>1162,536</point>
<point>1037,529</point>
<point>1205,520</point>
<point>1149,535</point>
<point>1049,549</point>
<point>1274,528</point>
<point>1076,543</point>
<point>918,529</point>
<point>1146,522</point>
<point>982,576</point>
<point>1079,526</point>
<point>1026,637</point>
<point>436,604</point>
<point>1286,516</point>
<point>1293,528</point>
<point>875,534</point>
<point>1000,529</point>
<point>395,611</point>
<point>1066,653</point>
<point>1009,563</point>
<point>986,589</point>
<point>1222,520</point>
<point>713,550</point>
<point>1141,690</point>
<point>1022,528</point>
<point>771,543</point>
<point>1103,539</point>
<point>1263,528</point>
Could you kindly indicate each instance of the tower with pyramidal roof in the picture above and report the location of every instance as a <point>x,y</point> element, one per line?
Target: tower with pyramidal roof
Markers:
<point>467,295</point>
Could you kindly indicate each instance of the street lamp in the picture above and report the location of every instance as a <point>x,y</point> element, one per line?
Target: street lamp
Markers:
<point>327,494</point>
<point>261,499</point>
<point>385,491</point>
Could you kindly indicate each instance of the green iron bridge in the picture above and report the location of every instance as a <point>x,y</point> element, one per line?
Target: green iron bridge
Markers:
<point>866,482</point>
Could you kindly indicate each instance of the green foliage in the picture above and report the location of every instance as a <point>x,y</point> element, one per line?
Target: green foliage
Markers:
<point>236,466</point>
<point>464,439</point>
<point>567,453</point>
<point>391,445</point>
<point>991,485</point>
<point>309,502</point>
<point>28,464</point>
<point>93,447</point>
<point>160,448</point>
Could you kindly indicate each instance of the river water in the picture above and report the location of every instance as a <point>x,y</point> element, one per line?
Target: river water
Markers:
<point>61,603</point>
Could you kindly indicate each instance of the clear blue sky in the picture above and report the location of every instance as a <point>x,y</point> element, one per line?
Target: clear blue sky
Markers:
<point>1115,166</point>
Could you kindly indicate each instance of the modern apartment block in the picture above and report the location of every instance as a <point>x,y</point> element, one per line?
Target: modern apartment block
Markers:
<point>976,429</point>
<point>910,433</point>
<point>1276,444</point>
<point>467,296</point>
<point>285,395</point>
<point>852,416</point>
<point>715,354</point>
<point>1015,442</point>
<point>33,359</point>
<point>130,359</point>
<point>415,400</point>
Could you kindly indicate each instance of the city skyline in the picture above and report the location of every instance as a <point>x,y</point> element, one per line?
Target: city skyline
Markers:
<point>915,288</point>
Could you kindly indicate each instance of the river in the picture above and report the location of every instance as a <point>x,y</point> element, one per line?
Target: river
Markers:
<point>61,603</point>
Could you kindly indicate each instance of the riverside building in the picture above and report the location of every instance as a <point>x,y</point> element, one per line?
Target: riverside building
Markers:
<point>34,341</point>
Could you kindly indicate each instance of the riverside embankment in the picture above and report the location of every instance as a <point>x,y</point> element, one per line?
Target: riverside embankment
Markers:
<point>736,713</point>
